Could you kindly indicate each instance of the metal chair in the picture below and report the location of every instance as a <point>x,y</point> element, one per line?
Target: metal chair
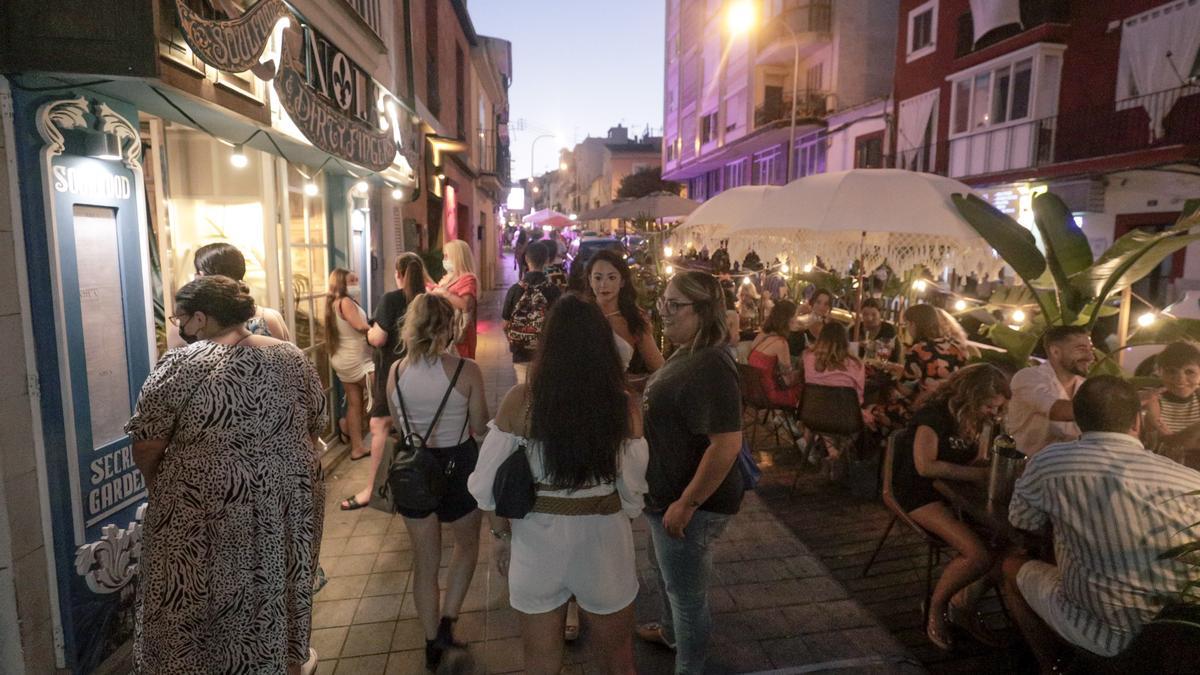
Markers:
<point>833,415</point>
<point>934,545</point>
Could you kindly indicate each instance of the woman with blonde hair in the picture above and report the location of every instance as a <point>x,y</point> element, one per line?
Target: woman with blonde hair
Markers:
<point>694,426</point>
<point>438,396</point>
<point>345,337</point>
<point>461,288</point>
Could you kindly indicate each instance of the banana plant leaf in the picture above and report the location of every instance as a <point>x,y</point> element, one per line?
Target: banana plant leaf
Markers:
<point>1012,296</point>
<point>1014,243</point>
<point>1166,330</point>
<point>1067,250</point>
<point>1020,344</point>
<point>1132,257</point>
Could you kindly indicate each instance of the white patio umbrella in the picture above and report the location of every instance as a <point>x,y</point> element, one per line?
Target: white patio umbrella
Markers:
<point>739,207</point>
<point>653,207</point>
<point>903,217</point>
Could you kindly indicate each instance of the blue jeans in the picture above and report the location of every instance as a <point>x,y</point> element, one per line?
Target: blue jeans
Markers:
<point>684,566</point>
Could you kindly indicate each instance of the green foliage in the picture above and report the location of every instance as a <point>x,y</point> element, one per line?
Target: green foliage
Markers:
<point>1067,285</point>
<point>646,182</point>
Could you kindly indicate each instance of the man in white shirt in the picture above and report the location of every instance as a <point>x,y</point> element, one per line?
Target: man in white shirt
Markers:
<point>1040,410</point>
<point>1114,508</point>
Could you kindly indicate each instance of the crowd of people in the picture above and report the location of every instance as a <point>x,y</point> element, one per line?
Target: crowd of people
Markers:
<point>607,429</point>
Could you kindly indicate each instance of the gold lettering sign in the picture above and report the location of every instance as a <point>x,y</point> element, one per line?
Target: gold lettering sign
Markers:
<point>234,45</point>
<point>324,125</point>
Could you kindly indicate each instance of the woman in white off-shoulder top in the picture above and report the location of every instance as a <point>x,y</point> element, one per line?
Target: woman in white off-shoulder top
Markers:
<point>583,439</point>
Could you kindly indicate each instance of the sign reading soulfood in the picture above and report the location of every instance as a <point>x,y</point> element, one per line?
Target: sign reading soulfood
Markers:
<point>329,97</point>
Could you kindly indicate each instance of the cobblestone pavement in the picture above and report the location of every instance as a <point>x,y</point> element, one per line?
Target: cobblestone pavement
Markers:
<point>775,606</point>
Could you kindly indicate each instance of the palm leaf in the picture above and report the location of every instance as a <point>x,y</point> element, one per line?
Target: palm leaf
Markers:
<point>1166,330</point>
<point>1132,257</point>
<point>1182,549</point>
<point>1067,249</point>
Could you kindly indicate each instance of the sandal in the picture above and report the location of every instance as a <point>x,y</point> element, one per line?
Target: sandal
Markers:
<point>939,635</point>
<point>654,634</point>
<point>972,624</point>
<point>351,503</point>
<point>362,456</point>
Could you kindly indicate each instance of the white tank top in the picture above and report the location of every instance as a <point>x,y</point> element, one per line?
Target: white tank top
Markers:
<point>423,384</point>
<point>351,343</point>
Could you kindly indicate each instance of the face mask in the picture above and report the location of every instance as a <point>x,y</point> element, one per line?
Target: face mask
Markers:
<point>185,336</point>
<point>448,266</point>
<point>353,291</point>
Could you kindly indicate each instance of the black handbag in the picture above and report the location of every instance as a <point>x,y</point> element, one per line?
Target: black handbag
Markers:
<point>416,479</point>
<point>514,488</point>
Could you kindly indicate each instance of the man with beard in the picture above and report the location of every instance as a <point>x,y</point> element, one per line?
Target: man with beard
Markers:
<point>1040,410</point>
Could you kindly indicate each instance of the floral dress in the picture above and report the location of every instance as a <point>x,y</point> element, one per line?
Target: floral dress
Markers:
<point>233,526</point>
<point>929,362</point>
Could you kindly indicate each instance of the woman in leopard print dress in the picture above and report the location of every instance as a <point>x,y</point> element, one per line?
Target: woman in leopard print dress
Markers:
<point>224,433</point>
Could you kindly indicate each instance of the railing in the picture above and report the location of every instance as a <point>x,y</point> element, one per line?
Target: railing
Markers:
<point>811,16</point>
<point>809,105</point>
<point>368,10</point>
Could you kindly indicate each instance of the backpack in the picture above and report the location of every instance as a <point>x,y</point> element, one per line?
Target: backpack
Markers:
<point>557,274</point>
<point>529,316</point>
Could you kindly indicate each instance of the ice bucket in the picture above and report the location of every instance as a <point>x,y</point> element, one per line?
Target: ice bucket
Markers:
<point>1006,466</point>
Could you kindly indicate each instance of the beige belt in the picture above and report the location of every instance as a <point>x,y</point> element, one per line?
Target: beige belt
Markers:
<point>604,505</point>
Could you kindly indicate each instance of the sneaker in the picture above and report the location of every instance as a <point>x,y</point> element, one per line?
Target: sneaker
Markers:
<point>654,633</point>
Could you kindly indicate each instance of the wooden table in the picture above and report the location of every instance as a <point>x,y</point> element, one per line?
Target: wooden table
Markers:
<point>971,499</point>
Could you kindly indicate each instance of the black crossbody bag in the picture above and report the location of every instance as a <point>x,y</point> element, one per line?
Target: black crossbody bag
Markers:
<point>417,480</point>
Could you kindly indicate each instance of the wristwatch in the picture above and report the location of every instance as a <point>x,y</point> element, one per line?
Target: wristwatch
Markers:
<point>503,535</point>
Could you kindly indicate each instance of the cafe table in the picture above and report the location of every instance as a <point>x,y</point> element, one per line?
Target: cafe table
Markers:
<point>971,499</point>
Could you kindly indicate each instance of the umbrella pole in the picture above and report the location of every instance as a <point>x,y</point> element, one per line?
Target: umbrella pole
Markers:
<point>862,245</point>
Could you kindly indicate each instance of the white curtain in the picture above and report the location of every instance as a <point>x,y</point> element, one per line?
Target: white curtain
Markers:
<point>1145,67</point>
<point>989,14</point>
<point>914,118</point>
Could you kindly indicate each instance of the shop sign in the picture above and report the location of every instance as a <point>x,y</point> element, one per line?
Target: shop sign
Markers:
<point>324,104</point>
<point>234,45</point>
<point>338,79</point>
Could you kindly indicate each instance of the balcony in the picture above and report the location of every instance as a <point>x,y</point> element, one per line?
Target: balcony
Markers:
<point>809,20</point>
<point>368,11</point>
<point>1034,13</point>
<point>1158,120</point>
<point>810,105</point>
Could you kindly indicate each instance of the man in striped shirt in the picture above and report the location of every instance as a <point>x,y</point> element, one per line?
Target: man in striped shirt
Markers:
<point>1114,508</point>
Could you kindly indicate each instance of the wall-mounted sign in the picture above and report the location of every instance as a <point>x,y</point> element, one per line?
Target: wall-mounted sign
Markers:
<point>234,45</point>
<point>339,80</point>
<point>322,118</point>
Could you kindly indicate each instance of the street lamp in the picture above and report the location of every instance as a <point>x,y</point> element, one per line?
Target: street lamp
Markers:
<point>740,19</point>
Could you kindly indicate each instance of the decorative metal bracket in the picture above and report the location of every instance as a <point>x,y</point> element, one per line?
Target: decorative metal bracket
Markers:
<point>54,116</point>
<point>127,134</point>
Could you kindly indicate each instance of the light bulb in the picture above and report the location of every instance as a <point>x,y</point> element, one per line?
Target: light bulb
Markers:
<point>1147,319</point>
<point>238,158</point>
<point>741,17</point>
<point>960,305</point>
<point>668,251</point>
<point>746,281</point>
<point>1018,315</point>
<point>669,270</point>
<point>361,187</point>
<point>920,285</point>
<point>784,269</point>
<point>397,194</point>
<point>807,268</point>
<point>311,189</point>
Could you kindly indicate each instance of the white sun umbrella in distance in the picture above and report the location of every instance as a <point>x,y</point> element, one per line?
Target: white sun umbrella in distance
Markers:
<point>903,217</point>
<point>654,206</point>
<point>733,209</point>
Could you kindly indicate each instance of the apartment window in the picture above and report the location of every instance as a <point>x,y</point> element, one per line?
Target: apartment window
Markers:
<point>992,97</point>
<point>712,183</point>
<point>735,174</point>
<point>868,151</point>
<point>810,156</point>
<point>708,128</point>
<point>768,167</point>
<point>815,78</point>
<point>671,151</point>
<point>922,31</point>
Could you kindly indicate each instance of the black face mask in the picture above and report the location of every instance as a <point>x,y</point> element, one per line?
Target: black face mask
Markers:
<point>184,336</point>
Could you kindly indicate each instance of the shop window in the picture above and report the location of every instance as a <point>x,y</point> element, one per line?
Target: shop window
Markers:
<point>868,151</point>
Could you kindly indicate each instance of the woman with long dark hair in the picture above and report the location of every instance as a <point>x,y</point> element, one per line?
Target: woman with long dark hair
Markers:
<point>942,442</point>
<point>349,354</point>
<point>610,285</point>
<point>772,357</point>
<point>694,426</point>
<point>583,436</point>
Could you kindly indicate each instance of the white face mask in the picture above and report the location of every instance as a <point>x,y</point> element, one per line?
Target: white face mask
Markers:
<point>448,265</point>
<point>353,291</point>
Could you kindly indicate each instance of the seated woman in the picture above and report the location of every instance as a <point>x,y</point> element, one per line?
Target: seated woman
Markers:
<point>942,442</point>
<point>934,354</point>
<point>829,363</point>
<point>770,355</point>
<point>811,317</point>
<point>749,308</point>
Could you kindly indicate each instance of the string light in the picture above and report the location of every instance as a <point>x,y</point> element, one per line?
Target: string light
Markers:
<point>311,189</point>
<point>808,268</point>
<point>920,285</point>
<point>397,194</point>
<point>238,158</point>
<point>746,281</point>
<point>668,252</point>
<point>1018,315</point>
<point>960,305</point>
<point>669,270</point>
<point>361,187</point>
<point>784,269</point>
<point>1147,319</point>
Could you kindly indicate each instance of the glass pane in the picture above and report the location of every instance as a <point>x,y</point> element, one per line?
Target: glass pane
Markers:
<point>962,105</point>
<point>102,312</point>
<point>304,328</point>
<point>1000,97</point>
<point>296,217</point>
<point>316,219</point>
<point>302,282</point>
<point>1022,78</point>
<point>979,104</point>
<point>320,268</point>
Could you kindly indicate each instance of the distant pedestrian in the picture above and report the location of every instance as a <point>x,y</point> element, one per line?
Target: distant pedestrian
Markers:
<point>427,379</point>
<point>460,286</point>
<point>525,307</point>
<point>349,354</point>
<point>694,427</point>
<point>384,336</point>
<point>224,434</point>
<point>583,437</point>
<point>226,260</point>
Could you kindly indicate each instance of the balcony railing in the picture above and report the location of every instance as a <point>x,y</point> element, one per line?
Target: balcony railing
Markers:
<point>1162,119</point>
<point>809,105</point>
<point>368,11</point>
<point>811,16</point>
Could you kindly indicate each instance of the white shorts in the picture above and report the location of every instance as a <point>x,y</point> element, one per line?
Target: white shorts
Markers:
<point>555,557</point>
<point>1041,586</point>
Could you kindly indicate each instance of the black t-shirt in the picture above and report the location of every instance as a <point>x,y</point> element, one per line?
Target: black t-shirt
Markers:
<point>550,290</point>
<point>911,489</point>
<point>693,395</point>
<point>389,316</point>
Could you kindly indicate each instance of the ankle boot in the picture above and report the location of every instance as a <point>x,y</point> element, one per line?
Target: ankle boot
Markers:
<point>445,634</point>
<point>433,655</point>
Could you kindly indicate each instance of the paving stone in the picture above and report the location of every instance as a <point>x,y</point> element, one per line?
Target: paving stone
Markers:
<point>370,526</point>
<point>361,545</point>
<point>369,638</point>
<point>328,642</point>
<point>333,546</point>
<point>386,583</point>
<point>325,667</point>
<point>393,561</point>
<point>342,588</point>
<point>378,608</point>
<point>827,616</point>
<point>407,635</point>
<point>334,613</point>
<point>853,642</point>
<point>786,652</point>
<point>350,565</point>
<point>408,662</point>
<point>748,626</point>
<point>362,665</point>
<point>732,656</point>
